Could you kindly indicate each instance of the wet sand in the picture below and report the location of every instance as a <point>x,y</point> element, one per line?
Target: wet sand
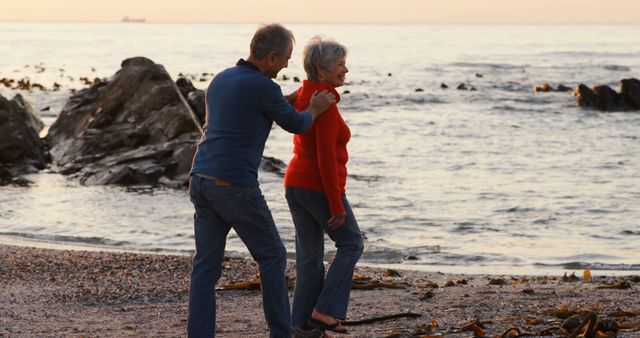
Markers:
<point>54,293</point>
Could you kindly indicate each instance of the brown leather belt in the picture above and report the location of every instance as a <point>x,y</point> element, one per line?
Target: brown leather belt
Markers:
<point>216,181</point>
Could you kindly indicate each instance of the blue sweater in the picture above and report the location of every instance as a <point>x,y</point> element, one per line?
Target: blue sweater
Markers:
<point>242,105</point>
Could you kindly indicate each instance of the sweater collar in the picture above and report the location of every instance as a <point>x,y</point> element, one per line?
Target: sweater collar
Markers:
<point>308,87</point>
<point>247,64</point>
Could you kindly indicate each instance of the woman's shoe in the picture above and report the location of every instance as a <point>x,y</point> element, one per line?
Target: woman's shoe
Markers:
<point>323,326</point>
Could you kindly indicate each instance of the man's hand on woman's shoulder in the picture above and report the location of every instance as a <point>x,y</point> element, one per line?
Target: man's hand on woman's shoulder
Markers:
<point>320,101</point>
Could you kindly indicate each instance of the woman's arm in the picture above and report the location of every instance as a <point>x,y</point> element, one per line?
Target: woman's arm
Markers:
<point>326,139</point>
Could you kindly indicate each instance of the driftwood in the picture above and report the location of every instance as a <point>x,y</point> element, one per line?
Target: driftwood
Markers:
<point>247,285</point>
<point>379,319</point>
<point>371,285</point>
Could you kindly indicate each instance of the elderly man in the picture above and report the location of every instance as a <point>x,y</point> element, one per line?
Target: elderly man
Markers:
<point>242,104</point>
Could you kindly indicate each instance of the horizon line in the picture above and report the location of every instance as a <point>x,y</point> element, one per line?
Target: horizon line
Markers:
<point>339,23</point>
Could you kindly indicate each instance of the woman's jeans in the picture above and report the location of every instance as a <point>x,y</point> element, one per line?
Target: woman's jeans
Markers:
<point>218,209</point>
<point>330,295</point>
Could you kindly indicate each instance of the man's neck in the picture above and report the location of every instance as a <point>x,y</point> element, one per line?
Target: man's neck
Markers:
<point>261,64</point>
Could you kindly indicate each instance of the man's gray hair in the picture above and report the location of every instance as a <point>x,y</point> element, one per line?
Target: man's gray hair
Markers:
<point>321,53</point>
<point>271,38</point>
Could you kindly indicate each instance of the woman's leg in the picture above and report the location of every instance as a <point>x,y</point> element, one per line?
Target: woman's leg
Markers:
<point>334,298</point>
<point>309,257</point>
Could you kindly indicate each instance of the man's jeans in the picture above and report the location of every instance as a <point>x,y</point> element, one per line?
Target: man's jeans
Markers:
<point>310,212</point>
<point>218,209</point>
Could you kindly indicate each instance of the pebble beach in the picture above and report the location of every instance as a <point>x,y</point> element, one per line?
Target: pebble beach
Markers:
<point>74,293</point>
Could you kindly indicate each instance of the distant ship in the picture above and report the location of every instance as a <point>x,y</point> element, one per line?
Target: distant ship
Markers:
<point>128,19</point>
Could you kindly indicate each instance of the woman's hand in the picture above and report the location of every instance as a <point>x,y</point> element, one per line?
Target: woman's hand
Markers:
<point>336,220</point>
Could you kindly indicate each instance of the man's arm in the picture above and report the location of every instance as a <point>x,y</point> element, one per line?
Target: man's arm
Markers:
<point>286,116</point>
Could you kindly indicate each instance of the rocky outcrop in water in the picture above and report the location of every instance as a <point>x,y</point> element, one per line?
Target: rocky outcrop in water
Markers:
<point>195,97</point>
<point>546,88</point>
<point>606,99</point>
<point>21,149</point>
<point>135,128</point>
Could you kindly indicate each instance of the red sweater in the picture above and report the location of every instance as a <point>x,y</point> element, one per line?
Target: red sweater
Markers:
<point>320,155</point>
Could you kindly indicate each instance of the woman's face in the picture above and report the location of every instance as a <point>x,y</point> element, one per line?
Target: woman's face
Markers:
<point>334,76</point>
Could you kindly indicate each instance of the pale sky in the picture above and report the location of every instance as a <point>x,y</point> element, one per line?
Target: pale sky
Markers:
<point>329,11</point>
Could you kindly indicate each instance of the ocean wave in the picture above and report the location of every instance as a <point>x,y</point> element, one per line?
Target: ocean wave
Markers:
<point>617,68</point>
<point>364,102</point>
<point>473,228</point>
<point>592,266</point>
<point>517,209</point>
<point>68,239</point>
<point>586,54</point>
<point>506,66</point>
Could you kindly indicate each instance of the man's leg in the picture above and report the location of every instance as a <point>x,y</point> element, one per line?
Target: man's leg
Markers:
<point>210,236</point>
<point>258,232</point>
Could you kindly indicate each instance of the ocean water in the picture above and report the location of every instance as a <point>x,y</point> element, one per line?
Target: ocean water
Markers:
<point>492,180</point>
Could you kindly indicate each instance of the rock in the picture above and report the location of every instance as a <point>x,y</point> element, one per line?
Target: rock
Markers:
<point>197,101</point>
<point>544,87</point>
<point>273,165</point>
<point>418,90</point>
<point>600,97</point>
<point>195,98</point>
<point>585,96</point>
<point>133,128</point>
<point>21,149</point>
<point>444,86</point>
<point>462,86</point>
<point>630,89</point>
<point>606,99</point>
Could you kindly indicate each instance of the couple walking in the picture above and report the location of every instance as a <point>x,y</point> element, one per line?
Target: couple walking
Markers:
<point>242,104</point>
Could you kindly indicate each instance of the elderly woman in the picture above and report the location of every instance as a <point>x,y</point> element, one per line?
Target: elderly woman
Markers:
<point>315,190</point>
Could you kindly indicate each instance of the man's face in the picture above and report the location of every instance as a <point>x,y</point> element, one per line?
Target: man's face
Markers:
<point>279,61</point>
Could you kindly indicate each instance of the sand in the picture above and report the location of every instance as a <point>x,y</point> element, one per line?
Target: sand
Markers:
<point>55,293</point>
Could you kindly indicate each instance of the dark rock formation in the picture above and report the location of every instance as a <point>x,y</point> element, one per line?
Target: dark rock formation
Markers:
<point>630,89</point>
<point>195,97</point>
<point>546,88</point>
<point>606,99</point>
<point>273,165</point>
<point>21,149</point>
<point>133,128</point>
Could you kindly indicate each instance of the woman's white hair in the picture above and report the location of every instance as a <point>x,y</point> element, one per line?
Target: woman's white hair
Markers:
<point>321,53</point>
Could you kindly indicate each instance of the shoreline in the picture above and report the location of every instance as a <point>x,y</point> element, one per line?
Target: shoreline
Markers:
<point>550,270</point>
<point>47,292</point>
